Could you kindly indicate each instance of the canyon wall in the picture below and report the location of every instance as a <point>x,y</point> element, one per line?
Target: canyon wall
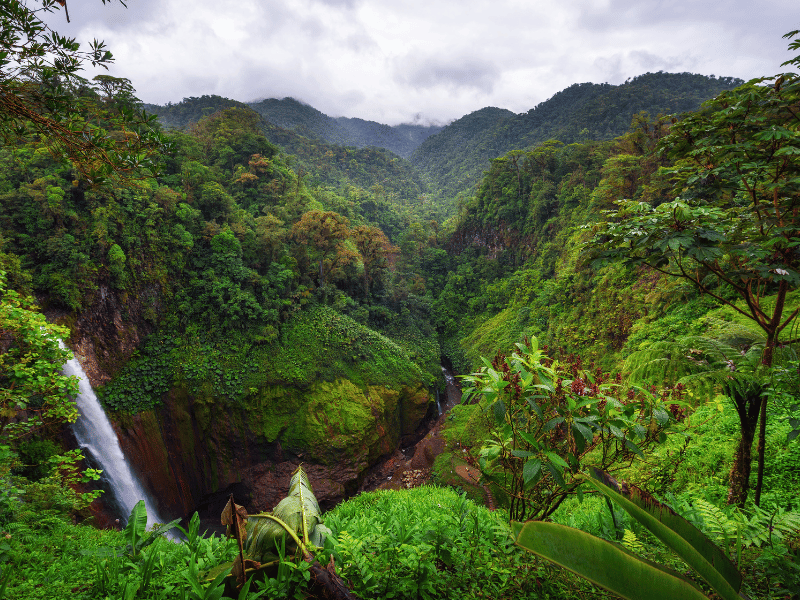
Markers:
<point>189,448</point>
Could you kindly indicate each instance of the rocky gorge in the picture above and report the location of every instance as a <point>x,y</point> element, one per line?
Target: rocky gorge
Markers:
<point>190,452</point>
<point>194,447</point>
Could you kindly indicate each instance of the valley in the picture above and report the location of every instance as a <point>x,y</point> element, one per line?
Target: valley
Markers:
<point>447,328</point>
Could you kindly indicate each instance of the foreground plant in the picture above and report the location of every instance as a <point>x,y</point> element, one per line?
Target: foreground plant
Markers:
<point>616,569</point>
<point>554,418</point>
<point>294,527</point>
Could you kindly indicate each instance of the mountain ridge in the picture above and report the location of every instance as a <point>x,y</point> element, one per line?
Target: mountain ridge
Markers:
<point>582,111</point>
<point>452,158</point>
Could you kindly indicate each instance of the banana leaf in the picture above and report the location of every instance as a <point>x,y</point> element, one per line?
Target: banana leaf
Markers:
<point>608,565</point>
<point>682,537</point>
<point>297,517</point>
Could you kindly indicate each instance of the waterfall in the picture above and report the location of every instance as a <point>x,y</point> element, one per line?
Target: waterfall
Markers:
<point>452,390</point>
<point>448,376</point>
<point>97,438</point>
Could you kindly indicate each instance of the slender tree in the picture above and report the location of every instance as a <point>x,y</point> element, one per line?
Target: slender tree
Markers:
<point>733,229</point>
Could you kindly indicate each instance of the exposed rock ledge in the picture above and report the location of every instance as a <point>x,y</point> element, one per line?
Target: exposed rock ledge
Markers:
<point>189,447</point>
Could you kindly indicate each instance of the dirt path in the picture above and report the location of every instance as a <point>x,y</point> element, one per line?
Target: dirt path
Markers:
<point>470,474</point>
<point>473,476</point>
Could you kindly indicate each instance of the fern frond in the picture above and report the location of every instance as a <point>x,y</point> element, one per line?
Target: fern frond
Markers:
<point>765,527</point>
<point>716,524</point>
<point>21,531</point>
<point>631,542</point>
<point>726,362</point>
<point>736,335</point>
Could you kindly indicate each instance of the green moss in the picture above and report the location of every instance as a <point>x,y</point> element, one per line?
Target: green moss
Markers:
<point>331,421</point>
<point>324,344</point>
<point>499,332</point>
<point>466,425</point>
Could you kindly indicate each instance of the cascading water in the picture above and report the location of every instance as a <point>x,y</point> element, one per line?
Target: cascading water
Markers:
<point>452,394</point>
<point>96,436</point>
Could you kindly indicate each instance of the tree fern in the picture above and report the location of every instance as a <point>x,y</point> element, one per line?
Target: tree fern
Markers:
<point>728,360</point>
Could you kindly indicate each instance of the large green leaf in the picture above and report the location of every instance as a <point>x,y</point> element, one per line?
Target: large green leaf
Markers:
<point>299,509</point>
<point>608,565</point>
<point>685,539</point>
<point>299,512</point>
<point>136,527</point>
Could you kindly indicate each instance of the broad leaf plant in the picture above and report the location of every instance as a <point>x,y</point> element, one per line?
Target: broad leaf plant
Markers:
<point>554,418</point>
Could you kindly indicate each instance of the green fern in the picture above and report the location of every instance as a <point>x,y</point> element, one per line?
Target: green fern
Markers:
<point>632,542</point>
<point>22,532</point>
<point>765,528</point>
<point>719,526</point>
<point>726,526</point>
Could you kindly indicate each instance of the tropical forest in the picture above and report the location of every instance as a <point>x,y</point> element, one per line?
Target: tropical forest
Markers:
<point>250,350</point>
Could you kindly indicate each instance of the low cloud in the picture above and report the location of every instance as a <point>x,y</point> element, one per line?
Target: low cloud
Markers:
<point>452,72</point>
<point>387,60</point>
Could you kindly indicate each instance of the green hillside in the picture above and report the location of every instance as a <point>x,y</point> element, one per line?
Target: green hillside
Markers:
<point>454,160</point>
<point>268,302</point>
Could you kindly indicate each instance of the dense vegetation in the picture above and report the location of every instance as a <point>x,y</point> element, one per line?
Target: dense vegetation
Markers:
<point>299,118</point>
<point>633,277</point>
<point>455,159</point>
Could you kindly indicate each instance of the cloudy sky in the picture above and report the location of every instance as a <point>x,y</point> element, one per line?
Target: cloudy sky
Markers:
<point>396,61</point>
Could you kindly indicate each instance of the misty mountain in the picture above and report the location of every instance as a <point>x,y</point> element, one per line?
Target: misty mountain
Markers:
<point>455,159</point>
<point>305,120</point>
<point>190,110</point>
<point>296,116</point>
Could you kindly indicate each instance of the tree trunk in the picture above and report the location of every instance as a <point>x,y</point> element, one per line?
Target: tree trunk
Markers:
<point>762,432</point>
<point>326,584</point>
<point>739,484</point>
<point>772,329</point>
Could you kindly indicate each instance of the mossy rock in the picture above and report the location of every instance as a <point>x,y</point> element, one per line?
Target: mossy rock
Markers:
<point>336,421</point>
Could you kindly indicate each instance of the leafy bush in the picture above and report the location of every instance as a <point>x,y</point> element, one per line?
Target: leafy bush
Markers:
<point>431,542</point>
<point>554,418</point>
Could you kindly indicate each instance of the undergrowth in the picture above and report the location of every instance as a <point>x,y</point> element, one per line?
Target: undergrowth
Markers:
<point>318,344</point>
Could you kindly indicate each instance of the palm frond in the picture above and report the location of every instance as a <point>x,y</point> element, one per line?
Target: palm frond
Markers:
<point>726,361</point>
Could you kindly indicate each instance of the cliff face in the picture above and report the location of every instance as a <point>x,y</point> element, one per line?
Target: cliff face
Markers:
<point>189,448</point>
<point>196,443</point>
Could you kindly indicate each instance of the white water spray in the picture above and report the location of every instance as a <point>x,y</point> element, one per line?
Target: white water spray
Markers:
<point>96,436</point>
<point>452,391</point>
